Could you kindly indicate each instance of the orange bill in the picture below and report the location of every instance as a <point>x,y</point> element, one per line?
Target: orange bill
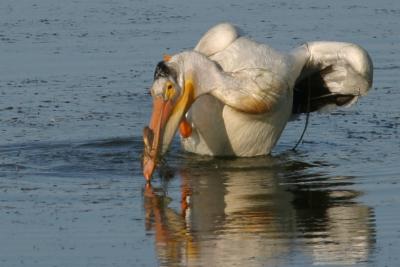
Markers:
<point>152,135</point>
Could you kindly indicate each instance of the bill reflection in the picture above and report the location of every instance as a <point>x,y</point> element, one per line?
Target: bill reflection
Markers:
<point>256,213</point>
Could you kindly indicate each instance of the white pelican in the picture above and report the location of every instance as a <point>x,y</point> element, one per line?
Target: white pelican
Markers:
<point>232,96</point>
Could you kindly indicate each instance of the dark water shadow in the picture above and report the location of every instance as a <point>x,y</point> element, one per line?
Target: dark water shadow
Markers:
<point>105,157</point>
<point>256,212</point>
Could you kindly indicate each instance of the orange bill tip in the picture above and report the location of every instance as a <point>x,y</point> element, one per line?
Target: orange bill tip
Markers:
<point>148,169</point>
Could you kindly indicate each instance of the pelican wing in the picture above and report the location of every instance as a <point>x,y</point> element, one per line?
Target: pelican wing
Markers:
<point>253,91</point>
<point>252,77</point>
<point>332,74</point>
<point>217,39</point>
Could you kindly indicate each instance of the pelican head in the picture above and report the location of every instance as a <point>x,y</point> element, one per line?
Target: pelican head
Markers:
<point>171,99</point>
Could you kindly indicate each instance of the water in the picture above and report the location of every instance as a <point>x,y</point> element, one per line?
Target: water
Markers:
<point>73,83</point>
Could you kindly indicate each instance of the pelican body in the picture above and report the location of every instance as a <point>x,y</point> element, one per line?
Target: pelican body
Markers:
<point>232,96</point>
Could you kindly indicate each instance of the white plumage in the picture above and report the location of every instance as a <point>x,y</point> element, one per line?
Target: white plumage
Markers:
<point>220,129</point>
<point>238,94</point>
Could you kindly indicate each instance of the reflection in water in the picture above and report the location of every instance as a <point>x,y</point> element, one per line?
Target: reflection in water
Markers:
<point>257,212</point>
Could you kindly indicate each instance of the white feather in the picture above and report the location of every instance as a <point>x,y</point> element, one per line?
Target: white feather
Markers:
<point>240,73</point>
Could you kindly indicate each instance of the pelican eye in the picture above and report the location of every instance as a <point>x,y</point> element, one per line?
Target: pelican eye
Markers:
<point>170,92</point>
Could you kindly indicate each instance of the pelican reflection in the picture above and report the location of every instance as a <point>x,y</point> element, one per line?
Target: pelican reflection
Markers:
<point>257,212</point>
